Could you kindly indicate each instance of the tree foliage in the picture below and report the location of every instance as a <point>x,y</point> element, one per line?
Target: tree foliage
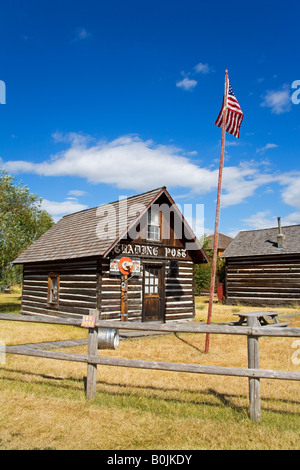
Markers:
<point>203,271</point>
<point>22,221</point>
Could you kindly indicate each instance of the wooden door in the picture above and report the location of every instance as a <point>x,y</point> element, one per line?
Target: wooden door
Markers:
<point>153,302</point>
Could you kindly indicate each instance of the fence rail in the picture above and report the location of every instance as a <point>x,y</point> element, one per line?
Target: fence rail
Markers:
<point>253,373</point>
<point>162,327</point>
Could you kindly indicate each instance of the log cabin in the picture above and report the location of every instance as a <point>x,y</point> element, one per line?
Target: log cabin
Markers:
<point>263,267</point>
<point>75,266</point>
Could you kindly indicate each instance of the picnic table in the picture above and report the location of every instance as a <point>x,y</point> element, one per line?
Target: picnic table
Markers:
<point>260,318</point>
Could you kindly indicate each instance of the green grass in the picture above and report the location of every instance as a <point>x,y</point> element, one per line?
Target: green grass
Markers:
<point>11,303</point>
<point>236,310</point>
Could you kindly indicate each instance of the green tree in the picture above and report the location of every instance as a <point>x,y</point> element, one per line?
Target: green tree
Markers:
<point>22,221</point>
<point>203,271</point>
<point>221,269</point>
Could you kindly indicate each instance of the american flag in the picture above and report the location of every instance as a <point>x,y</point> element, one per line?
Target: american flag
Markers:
<point>234,115</point>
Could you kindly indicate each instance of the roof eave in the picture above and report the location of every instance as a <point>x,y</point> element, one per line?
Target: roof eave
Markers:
<point>120,237</point>
<point>138,218</point>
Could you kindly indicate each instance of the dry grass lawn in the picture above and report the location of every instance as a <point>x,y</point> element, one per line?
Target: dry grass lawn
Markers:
<point>43,405</point>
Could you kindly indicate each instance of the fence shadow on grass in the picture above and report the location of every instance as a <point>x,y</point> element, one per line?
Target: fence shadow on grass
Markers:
<point>136,393</point>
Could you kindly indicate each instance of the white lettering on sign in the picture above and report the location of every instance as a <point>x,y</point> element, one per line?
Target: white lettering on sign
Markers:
<point>150,250</point>
<point>175,252</point>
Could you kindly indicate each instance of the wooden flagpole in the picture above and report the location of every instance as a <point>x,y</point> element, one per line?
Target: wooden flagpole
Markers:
<point>216,236</point>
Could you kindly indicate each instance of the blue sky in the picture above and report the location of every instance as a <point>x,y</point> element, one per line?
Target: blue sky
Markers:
<point>110,99</point>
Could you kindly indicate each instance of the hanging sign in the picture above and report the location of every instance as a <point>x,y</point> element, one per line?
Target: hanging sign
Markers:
<point>114,267</point>
<point>125,266</point>
<point>154,251</point>
<point>88,321</point>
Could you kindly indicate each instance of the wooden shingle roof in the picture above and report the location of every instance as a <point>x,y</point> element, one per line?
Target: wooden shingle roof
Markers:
<point>223,241</point>
<point>75,235</point>
<point>264,242</point>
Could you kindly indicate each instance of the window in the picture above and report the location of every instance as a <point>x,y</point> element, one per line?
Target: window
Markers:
<point>53,289</point>
<point>173,269</point>
<point>154,225</point>
<point>151,280</point>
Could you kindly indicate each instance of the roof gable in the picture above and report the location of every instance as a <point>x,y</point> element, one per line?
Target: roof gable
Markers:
<point>264,242</point>
<point>223,241</point>
<point>95,232</point>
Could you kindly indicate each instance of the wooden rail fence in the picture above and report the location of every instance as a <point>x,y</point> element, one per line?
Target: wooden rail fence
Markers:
<point>92,359</point>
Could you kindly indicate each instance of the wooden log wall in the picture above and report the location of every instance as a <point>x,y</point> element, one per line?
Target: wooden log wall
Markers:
<point>180,299</point>
<point>179,293</point>
<point>109,302</point>
<point>77,292</point>
<point>263,281</point>
<point>87,285</point>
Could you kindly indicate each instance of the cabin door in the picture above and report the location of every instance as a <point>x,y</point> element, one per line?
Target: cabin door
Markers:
<point>153,302</point>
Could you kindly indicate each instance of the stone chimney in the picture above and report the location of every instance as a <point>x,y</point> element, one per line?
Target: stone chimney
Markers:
<point>280,236</point>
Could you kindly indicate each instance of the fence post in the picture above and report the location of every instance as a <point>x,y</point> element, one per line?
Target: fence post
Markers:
<point>253,363</point>
<point>92,351</point>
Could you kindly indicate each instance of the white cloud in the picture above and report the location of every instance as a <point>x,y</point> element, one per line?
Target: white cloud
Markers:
<point>232,143</point>
<point>290,196</point>
<point>266,147</point>
<point>264,219</point>
<point>261,220</point>
<point>130,163</point>
<point>59,209</point>
<point>190,83</point>
<point>278,100</point>
<point>187,84</point>
<point>241,182</point>
<point>127,162</point>
<point>82,34</point>
<point>292,219</point>
<point>203,68</point>
<point>74,138</point>
<point>233,233</point>
<point>291,192</point>
<point>76,192</point>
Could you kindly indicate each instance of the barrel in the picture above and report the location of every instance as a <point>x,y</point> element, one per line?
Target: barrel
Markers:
<point>108,338</point>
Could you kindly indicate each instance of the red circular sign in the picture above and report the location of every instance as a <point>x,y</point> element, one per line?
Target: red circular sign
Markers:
<point>125,265</point>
